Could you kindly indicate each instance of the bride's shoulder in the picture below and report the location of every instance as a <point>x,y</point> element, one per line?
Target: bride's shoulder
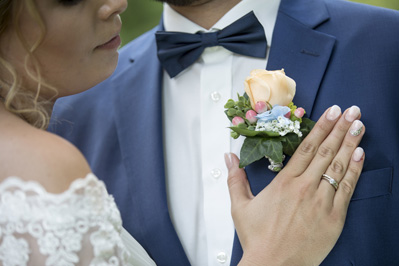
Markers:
<point>36,155</point>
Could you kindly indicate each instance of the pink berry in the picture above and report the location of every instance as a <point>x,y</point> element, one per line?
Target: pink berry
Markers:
<point>299,112</point>
<point>250,116</point>
<point>237,120</point>
<point>260,107</point>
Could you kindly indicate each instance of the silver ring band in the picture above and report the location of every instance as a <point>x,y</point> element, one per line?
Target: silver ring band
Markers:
<point>330,180</point>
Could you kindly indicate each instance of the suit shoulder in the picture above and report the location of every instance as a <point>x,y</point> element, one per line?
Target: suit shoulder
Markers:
<point>363,23</point>
<point>352,10</point>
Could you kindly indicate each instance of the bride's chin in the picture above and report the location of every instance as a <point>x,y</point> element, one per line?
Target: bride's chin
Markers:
<point>96,75</point>
<point>107,67</point>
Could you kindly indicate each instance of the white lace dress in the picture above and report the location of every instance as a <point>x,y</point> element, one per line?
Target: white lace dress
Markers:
<point>81,226</point>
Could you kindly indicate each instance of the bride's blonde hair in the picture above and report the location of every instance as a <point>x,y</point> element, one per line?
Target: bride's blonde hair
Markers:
<point>25,103</point>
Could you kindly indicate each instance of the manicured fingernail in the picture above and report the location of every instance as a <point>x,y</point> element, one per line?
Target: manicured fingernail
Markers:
<point>227,159</point>
<point>352,114</point>
<point>358,154</point>
<point>334,112</point>
<point>356,128</point>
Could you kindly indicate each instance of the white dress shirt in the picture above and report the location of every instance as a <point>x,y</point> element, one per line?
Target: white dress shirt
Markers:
<point>196,135</point>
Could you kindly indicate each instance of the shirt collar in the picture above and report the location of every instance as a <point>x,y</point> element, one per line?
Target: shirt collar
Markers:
<point>265,11</point>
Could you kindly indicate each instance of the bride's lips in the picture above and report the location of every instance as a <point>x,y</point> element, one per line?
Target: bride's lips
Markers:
<point>114,43</point>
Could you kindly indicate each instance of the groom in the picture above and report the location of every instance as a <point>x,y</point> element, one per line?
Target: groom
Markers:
<point>156,135</point>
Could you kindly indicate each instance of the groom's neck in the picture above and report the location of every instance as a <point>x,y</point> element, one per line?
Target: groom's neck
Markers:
<point>206,13</point>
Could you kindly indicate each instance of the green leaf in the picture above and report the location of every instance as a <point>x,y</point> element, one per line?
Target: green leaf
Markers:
<point>291,141</point>
<point>240,113</point>
<point>251,133</point>
<point>228,116</point>
<point>230,103</point>
<point>234,135</point>
<point>240,104</point>
<point>306,126</point>
<point>256,148</point>
<point>242,126</point>
<point>231,112</point>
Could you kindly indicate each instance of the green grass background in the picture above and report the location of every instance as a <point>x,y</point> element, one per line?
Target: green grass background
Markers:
<point>142,15</point>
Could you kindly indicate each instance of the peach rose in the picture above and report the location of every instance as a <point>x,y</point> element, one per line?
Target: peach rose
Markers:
<point>270,86</point>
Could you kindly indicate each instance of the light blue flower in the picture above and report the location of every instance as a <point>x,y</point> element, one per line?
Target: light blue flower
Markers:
<point>273,114</point>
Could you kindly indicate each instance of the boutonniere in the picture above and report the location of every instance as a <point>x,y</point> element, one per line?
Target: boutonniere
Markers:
<point>268,119</point>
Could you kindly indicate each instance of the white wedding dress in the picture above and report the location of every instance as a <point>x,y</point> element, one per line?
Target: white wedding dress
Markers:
<point>81,226</point>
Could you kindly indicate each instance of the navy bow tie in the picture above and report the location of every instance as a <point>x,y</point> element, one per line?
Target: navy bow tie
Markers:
<point>178,50</point>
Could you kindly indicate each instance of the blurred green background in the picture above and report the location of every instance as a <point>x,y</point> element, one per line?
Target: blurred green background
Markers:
<point>142,15</point>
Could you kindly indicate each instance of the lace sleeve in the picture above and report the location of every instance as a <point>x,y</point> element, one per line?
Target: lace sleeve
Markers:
<point>81,226</point>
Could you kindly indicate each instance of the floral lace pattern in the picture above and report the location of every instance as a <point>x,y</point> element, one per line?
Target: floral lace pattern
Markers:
<point>80,226</point>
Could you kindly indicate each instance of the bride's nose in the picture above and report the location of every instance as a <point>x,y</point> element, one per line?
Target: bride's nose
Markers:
<point>112,7</point>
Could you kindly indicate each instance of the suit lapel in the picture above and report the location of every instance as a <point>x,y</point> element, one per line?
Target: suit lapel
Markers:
<point>138,102</point>
<point>302,51</point>
<point>304,54</point>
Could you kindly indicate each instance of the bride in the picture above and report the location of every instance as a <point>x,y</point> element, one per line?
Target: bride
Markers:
<point>54,211</point>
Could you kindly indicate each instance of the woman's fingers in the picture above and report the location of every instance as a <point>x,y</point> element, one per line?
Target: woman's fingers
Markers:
<point>326,153</point>
<point>348,183</point>
<point>237,181</point>
<point>339,165</point>
<point>309,146</point>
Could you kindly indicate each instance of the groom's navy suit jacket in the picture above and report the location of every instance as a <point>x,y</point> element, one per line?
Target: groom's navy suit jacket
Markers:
<point>337,52</point>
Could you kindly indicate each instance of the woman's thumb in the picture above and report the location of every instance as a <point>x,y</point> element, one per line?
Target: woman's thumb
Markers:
<point>237,181</point>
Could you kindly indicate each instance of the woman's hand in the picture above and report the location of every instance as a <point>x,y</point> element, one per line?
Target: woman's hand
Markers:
<point>298,217</point>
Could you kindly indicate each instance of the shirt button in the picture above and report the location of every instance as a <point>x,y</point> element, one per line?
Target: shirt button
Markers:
<point>221,257</point>
<point>215,96</point>
<point>216,173</point>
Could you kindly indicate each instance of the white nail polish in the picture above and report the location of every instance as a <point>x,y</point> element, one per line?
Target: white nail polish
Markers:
<point>358,154</point>
<point>333,113</point>
<point>352,113</point>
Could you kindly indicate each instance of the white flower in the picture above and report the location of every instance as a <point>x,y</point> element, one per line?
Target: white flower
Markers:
<point>281,125</point>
